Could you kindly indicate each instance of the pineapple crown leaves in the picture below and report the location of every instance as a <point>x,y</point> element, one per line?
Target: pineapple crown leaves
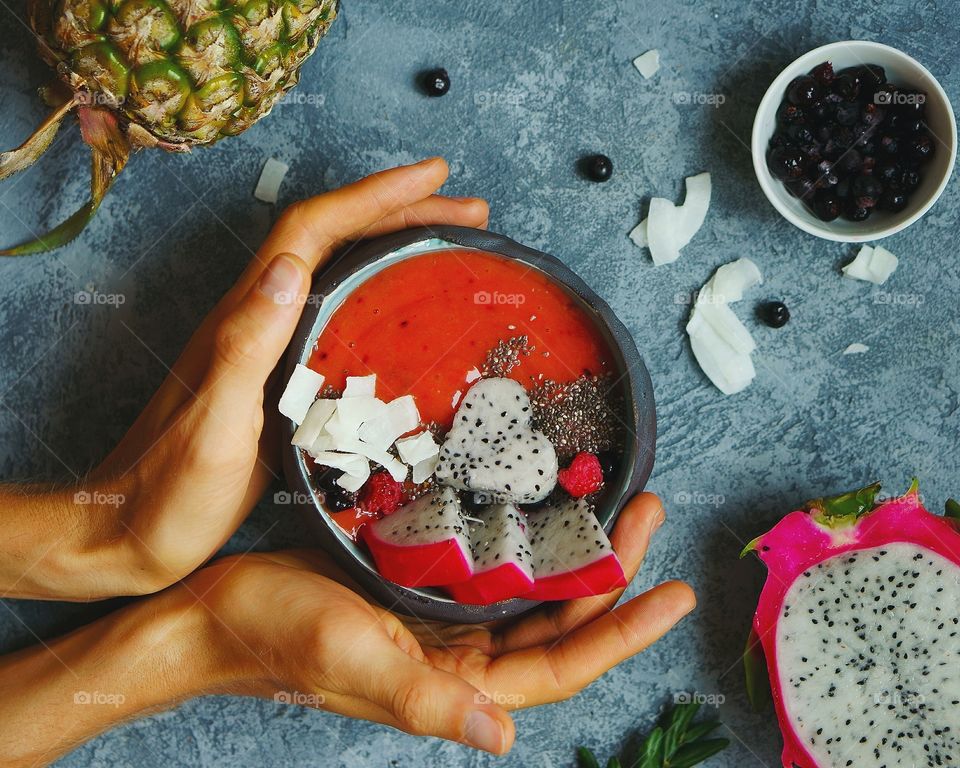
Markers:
<point>676,742</point>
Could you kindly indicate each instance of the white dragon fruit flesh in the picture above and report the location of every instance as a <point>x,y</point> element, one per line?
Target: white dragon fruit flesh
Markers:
<point>502,562</point>
<point>425,543</point>
<point>492,446</point>
<point>859,626</point>
<point>572,556</point>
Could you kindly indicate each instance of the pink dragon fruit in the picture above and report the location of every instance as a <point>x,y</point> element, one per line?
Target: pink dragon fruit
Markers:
<point>423,544</point>
<point>572,556</point>
<point>502,563</point>
<point>859,625</point>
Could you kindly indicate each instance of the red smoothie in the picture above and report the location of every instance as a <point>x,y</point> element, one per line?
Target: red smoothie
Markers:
<point>425,325</point>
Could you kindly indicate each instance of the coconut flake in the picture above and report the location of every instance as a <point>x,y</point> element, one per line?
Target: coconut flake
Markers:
<point>720,342</point>
<point>353,483</point>
<point>271,177</point>
<point>648,63</point>
<point>361,386</point>
<point>856,349</point>
<point>401,416</point>
<point>397,469</point>
<point>300,393</point>
<point>422,470</point>
<point>352,464</point>
<point>313,423</point>
<point>473,374</point>
<point>417,448</point>
<point>354,411</point>
<point>873,264</point>
<point>669,227</point>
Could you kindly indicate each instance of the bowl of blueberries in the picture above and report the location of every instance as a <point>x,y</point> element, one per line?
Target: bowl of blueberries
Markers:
<point>854,141</point>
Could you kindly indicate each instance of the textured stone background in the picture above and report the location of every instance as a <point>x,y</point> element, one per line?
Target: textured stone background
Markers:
<point>536,83</point>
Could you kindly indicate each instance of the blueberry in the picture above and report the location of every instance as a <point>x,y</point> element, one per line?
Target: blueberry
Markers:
<point>823,73</point>
<point>909,180</point>
<point>790,114</point>
<point>851,162</point>
<point>597,167</point>
<point>866,186</point>
<point>889,173</point>
<point>889,145</point>
<point>800,134</point>
<point>335,497</point>
<point>847,114</point>
<point>802,188</point>
<point>893,200</point>
<point>774,313</point>
<point>804,91</point>
<point>854,212</point>
<point>825,175</point>
<point>826,205</point>
<point>785,163</point>
<point>846,86</point>
<point>920,148</point>
<point>871,114</point>
<point>436,82</point>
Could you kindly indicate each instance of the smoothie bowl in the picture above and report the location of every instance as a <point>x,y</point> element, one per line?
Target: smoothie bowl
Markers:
<point>464,420</point>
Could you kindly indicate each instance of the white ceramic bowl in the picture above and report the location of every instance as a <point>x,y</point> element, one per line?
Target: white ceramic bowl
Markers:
<point>901,70</point>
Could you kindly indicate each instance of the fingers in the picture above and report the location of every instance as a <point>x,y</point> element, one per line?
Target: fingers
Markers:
<point>433,211</point>
<point>636,524</point>
<point>313,228</point>
<point>426,701</point>
<point>545,673</point>
<point>249,341</point>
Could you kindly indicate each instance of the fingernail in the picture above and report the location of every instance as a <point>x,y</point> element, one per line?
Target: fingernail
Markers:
<point>483,732</point>
<point>281,282</point>
<point>658,520</point>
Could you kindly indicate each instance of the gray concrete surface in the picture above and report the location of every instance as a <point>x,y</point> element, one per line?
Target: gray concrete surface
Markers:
<point>536,83</point>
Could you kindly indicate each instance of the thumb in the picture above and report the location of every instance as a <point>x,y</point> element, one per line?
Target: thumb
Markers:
<point>249,341</point>
<point>426,701</point>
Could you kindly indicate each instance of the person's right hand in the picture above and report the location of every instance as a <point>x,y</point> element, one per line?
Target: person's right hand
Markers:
<point>298,633</point>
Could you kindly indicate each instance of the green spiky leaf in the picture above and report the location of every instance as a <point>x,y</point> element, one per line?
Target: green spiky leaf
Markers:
<point>586,758</point>
<point>755,673</point>
<point>613,762</point>
<point>952,509</point>
<point>845,508</point>
<point>693,754</point>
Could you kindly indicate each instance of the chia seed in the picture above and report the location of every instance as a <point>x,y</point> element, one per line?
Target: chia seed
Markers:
<point>506,356</point>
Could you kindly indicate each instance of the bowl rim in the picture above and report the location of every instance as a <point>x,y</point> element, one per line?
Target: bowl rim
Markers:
<point>758,144</point>
<point>636,385</point>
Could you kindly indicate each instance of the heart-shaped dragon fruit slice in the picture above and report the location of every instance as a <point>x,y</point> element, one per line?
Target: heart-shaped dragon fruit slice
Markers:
<point>423,544</point>
<point>493,448</point>
<point>502,562</point>
<point>859,625</point>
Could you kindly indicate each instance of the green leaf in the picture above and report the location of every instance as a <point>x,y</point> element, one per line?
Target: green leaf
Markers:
<point>56,237</point>
<point>845,508</point>
<point>755,673</point>
<point>952,509</point>
<point>683,716</point>
<point>586,758</point>
<point>613,762</point>
<point>693,754</point>
<point>653,749</point>
<point>698,731</point>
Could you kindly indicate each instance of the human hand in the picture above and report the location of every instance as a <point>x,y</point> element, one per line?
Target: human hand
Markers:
<point>295,627</point>
<point>201,454</point>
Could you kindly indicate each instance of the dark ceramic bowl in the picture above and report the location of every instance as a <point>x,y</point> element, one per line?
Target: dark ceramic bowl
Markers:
<point>358,263</point>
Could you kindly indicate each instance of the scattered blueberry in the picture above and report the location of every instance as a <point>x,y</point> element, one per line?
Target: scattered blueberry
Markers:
<point>335,497</point>
<point>850,142</point>
<point>597,167</point>
<point>436,82</point>
<point>774,313</point>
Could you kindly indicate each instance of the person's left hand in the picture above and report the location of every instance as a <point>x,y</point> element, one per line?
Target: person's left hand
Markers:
<point>199,457</point>
<point>294,628</point>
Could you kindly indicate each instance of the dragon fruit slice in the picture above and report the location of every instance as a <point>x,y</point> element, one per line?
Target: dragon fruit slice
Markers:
<point>493,448</point>
<point>502,562</point>
<point>858,623</point>
<point>572,556</point>
<point>423,544</point>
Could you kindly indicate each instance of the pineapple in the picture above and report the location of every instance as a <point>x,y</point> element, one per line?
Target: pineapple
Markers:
<point>161,73</point>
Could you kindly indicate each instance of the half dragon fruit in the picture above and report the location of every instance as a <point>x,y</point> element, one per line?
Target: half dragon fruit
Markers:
<point>859,624</point>
<point>502,562</point>
<point>572,556</point>
<point>423,544</point>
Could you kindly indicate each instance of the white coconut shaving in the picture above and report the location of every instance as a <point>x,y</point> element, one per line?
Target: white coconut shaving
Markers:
<point>856,349</point>
<point>271,177</point>
<point>669,227</point>
<point>648,63</point>
<point>300,393</point>
<point>873,264</point>
<point>721,344</point>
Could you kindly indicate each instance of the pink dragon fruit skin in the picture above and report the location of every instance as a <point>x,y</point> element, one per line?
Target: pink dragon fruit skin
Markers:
<point>804,538</point>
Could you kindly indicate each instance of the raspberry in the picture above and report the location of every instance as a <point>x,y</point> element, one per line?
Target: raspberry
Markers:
<point>583,476</point>
<point>381,493</point>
